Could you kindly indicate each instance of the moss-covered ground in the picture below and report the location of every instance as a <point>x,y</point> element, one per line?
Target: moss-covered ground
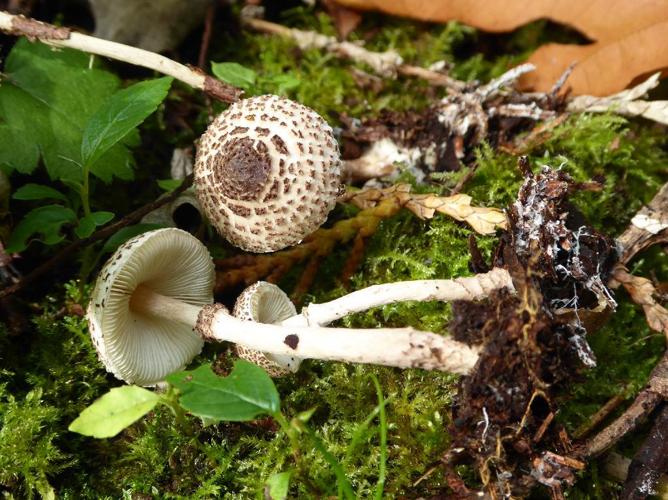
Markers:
<point>51,373</point>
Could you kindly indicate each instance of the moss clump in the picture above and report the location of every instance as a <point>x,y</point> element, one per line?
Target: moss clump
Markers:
<point>52,373</point>
<point>28,455</point>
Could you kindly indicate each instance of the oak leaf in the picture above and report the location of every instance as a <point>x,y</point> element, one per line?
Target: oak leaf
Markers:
<point>628,36</point>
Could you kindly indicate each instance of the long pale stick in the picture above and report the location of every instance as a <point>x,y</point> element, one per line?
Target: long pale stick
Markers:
<point>64,37</point>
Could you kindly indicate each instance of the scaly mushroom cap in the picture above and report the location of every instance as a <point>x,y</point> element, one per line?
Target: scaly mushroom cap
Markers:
<point>135,347</point>
<point>267,173</point>
<point>266,303</point>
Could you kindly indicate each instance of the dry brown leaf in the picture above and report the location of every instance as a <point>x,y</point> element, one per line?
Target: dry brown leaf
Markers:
<point>603,68</point>
<point>483,220</point>
<point>597,19</point>
<point>643,293</point>
<point>628,36</point>
<point>345,19</point>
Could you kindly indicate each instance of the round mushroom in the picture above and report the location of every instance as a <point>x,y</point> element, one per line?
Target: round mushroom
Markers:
<point>155,293</point>
<point>134,344</point>
<point>267,173</point>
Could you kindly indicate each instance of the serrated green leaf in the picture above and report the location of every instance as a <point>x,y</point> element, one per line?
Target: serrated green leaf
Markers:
<point>234,74</point>
<point>243,395</point>
<point>88,223</point>
<point>38,192</point>
<point>113,412</point>
<point>46,99</point>
<point>278,485</point>
<point>120,114</point>
<point>124,234</point>
<point>46,221</point>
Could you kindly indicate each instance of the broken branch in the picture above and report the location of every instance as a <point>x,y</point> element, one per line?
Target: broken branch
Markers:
<point>648,227</point>
<point>387,63</point>
<point>648,399</point>
<point>64,37</point>
<point>103,233</point>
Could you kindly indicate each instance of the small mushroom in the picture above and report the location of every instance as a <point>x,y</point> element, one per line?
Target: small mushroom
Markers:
<point>267,173</point>
<point>153,295</point>
<point>266,303</point>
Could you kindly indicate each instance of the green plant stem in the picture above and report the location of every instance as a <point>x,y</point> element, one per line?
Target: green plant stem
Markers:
<point>380,486</point>
<point>85,190</point>
<point>293,436</point>
<point>344,486</point>
<point>88,260</point>
<point>170,399</point>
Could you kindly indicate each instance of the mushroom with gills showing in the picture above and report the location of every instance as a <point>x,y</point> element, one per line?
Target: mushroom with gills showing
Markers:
<point>267,303</point>
<point>152,302</point>
<point>267,173</point>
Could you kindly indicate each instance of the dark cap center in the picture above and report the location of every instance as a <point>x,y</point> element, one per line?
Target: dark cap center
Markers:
<point>242,169</point>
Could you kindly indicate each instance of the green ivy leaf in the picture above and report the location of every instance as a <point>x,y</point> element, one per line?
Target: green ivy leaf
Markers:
<point>124,234</point>
<point>46,99</point>
<point>113,412</point>
<point>88,223</point>
<point>120,114</point>
<point>38,192</point>
<point>243,395</point>
<point>46,221</point>
<point>277,486</point>
<point>234,74</point>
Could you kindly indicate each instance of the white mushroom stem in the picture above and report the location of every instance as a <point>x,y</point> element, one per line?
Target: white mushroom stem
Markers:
<point>399,347</point>
<point>147,301</point>
<point>470,288</point>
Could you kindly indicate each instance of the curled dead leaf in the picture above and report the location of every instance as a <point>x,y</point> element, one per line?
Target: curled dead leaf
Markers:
<point>643,293</point>
<point>483,220</point>
<point>626,103</point>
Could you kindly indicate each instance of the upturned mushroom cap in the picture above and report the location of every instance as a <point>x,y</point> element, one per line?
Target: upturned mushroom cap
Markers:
<point>266,303</point>
<point>136,347</point>
<point>267,173</point>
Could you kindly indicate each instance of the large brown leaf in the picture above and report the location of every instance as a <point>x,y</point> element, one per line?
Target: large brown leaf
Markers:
<point>628,36</point>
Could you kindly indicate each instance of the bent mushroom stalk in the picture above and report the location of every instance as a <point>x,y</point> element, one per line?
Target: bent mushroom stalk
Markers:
<point>152,302</point>
<point>266,303</point>
<point>470,288</point>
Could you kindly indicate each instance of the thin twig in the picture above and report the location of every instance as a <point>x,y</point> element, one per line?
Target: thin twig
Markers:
<point>206,36</point>
<point>64,37</point>
<point>103,233</point>
<point>601,414</point>
<point>386,63</point>
<point>648,399</point>
<point>649,462</point>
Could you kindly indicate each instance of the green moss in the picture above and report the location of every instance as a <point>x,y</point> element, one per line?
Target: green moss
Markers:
<point>52,373</point>
<point>28,455</point>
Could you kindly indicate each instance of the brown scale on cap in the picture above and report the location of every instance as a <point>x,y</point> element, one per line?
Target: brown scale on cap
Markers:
<point>267,173</point>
